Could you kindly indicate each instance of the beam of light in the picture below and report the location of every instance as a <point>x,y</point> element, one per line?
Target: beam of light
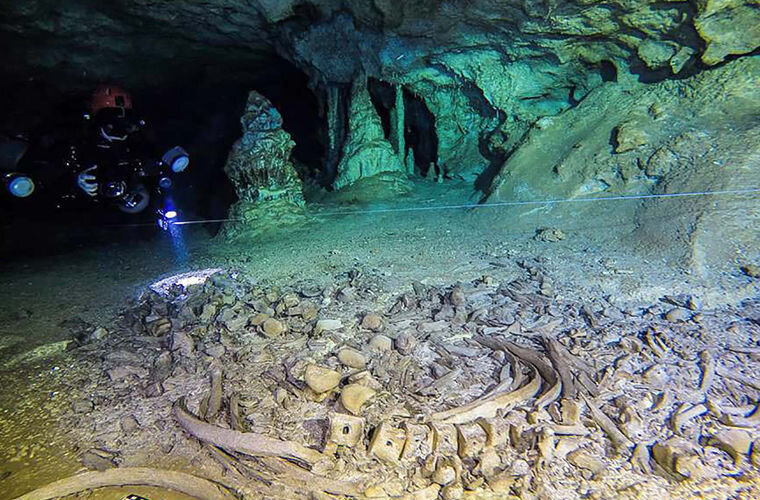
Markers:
<point>178,243</point>
<point>171,214</point>
<point>184,280</point>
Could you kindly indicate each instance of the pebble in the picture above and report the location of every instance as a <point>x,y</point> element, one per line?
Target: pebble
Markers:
<point>405,343</point>
<point>273,327</point>
<point>259,319</point>
<point>457,297</point>
<point>327,325</point>
<point>380,343</point>
<point>678,315</point>
<point>183,344</point>
<point>751,270</point>
<point>129,424</point>
<point>372,322</point>
<point>321,379</point>
<point>352,358</point>
<point>82,406</point>
<point>353,397</point>
<point>585,460</point>
<point>98,334</point>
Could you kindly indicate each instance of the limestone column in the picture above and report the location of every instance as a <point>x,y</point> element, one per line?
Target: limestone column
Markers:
<point>397,125</point>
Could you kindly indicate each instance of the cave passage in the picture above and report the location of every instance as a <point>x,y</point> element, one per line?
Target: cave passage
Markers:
<point>421,135</point>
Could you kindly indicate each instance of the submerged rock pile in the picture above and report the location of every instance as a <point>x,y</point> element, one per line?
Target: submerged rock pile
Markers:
<point>475,390</point>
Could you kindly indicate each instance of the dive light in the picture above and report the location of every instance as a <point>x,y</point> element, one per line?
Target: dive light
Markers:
<point>19,185</point>
<point>166,217</point>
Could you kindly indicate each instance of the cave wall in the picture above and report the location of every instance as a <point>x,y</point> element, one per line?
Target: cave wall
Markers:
<point>530,99</point>
<point>487,69</point>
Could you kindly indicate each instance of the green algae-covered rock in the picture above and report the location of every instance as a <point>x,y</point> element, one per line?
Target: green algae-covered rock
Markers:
<point>259,164</point>
<point>728,27</point>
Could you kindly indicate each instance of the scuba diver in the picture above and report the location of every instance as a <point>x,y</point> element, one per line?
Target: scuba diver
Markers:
<point>109,160</point>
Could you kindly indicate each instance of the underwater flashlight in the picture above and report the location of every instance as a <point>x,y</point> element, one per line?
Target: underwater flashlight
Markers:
<point>166,217</point>
<point>177,158</point>
<point>19,185</point>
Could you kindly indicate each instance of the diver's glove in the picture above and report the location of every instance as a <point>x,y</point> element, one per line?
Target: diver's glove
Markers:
<point>88,182</point>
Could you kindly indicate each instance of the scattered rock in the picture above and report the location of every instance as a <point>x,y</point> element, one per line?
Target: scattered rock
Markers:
<point>457,297</point>
<point>629,136</point>
<point>735,442</point>
<point>373,322</point>
<point>82,406</point>
<point>751,270</point>
<point>327,325</point>
<point>353,397</point>
<point>208,312</point>
<point>655,54</point>
<point>159,327</point>
<point>678,457</point>
<point>584,459</point>
<point>182,344</point>
<point>273,327</point>
<point>129,424</point>
<point>405,343</point>
<point>352,358</point>
<point>121,373</point>
<point>321,379</point>
<point>99,460</point>
<point>549,234</point>
<point>380,343</point>
<point>98,334</point>
<point>678,315</point>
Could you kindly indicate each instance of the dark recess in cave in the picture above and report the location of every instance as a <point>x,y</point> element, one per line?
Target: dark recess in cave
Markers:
<point>299,107</point>
<point>608,71</point>
<point>383,96</point>
<point>420,133</point>
<point>199,110</point>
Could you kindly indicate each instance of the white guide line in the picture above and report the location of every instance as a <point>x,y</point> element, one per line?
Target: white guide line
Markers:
<point>732,192</point>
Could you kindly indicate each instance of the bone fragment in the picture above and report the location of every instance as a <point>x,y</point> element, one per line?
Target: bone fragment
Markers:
<point>751,420</point>
<point>387,443</point>
<point>285,472</point>
<point>194,486</point>
<point>471,440</point>
<point>608,426</point>
<point>419,442</point>
<point>546,444</point>
<point>488,406</point>
<point>569,387</point>
<point>444,439</point>
<point>738,377</point>
<point>656,344</point>
<point>321,379</point>
<point>345,430</point>
<point>708,371</point>
<point>496,429</point>
<point>735,442</point>
<point>353,397</point>
<point>215,395</point>
<point>664,401</point>
<point>684,414</point>
<point>244,442</point>
<point>641,458</point>
<point>583,459</point>
<point>236,422</point>
<point>678,457</point>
